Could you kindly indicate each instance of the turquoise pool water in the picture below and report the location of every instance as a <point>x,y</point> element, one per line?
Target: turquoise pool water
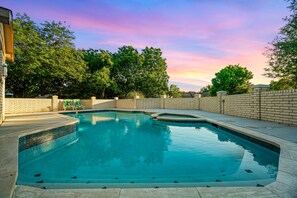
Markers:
<point>118,149</point>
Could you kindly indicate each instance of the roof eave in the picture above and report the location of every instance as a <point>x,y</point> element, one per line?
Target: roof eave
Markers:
<point>6,19</point>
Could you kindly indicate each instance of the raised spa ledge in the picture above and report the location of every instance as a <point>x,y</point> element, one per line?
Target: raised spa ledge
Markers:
<point>180,119</point>
<point>174,117</point>
<point>282,136</point>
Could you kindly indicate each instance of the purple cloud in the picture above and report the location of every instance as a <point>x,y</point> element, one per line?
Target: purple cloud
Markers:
<point>198,38</point>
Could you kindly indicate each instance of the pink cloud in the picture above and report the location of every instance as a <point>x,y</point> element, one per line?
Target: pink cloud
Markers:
<point>196,66</point>
<point>197,41</point>
<point>117,21</point>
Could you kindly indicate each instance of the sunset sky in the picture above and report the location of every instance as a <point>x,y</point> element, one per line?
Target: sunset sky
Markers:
<point>197,37</point>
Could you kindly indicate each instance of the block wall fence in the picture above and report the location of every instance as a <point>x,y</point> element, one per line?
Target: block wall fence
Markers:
<point>2,88</point>
<point>2,78</point>
<point>275,106</point>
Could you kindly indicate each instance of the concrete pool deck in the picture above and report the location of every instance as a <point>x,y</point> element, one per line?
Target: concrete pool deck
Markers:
<point>277,134</point>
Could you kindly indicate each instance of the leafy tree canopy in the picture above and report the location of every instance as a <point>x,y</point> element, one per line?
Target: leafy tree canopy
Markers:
<point>283,84</point>
<point>46,60</point>
<point>97,80</point>
<point>141,72</point>
<point>127,70</point>
<point>29,54</point>
<point>206,91</point>
<point>47,63</point>
<point>97,59</point>
<point>282,55</point>
<point>174,91</point>
<point>234,79</point>
<point>154,79</point>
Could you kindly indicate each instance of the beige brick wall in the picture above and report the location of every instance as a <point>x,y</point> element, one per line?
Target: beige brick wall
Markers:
<point>26,105</point>
<point>2,91</point>
<point>125,103</point>
<point>2,98</point>
<point>87,103</point>
<point>2,80</point>
<point>241,105</point>
<point>97,104</point>
<point>181,103</point>
<point>148,103</point>
<point>103,104</point>
<point>275,106</point>
<point>60,104</point>
<point>209,104</point>
<point>279,106</point>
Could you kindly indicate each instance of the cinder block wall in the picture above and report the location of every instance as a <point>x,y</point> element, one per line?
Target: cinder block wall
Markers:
<point>87,103</point>
<point>209,104</point>
<point>125,103</point>
<point>148,103</point>
<point>279,106</point>
<point>103,104</point>
<point>241,105</point>
<point>275,106</point>
<point>180,103</point>
<point>2,98</point>
<point>2,79</point>
<point>60,104</point>
<point>2,91</point>
<point>27,105</point>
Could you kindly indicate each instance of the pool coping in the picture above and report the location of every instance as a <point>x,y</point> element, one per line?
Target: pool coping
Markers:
<point>11,143</point>
<point>284,186</point>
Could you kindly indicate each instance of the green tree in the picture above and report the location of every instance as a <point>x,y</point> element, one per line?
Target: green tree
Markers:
<point>46,60</point>
<point>174,91</point>
<point>283,84</point>
<point>29,55</point>
<point>64,65</point>
<point>282,55</point>
<point>154,78</point>
<point>97,82</point>
<point>97,59</point>
<point>206,91</point>
<point>127,70</point>
<point>98,77</point>
<point>57,34</point>
<point>234,79</point>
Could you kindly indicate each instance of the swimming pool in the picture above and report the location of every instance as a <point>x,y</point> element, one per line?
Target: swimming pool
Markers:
<point>118,149</point>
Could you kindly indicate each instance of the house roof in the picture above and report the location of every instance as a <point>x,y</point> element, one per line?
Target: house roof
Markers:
<point>6,20</point>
